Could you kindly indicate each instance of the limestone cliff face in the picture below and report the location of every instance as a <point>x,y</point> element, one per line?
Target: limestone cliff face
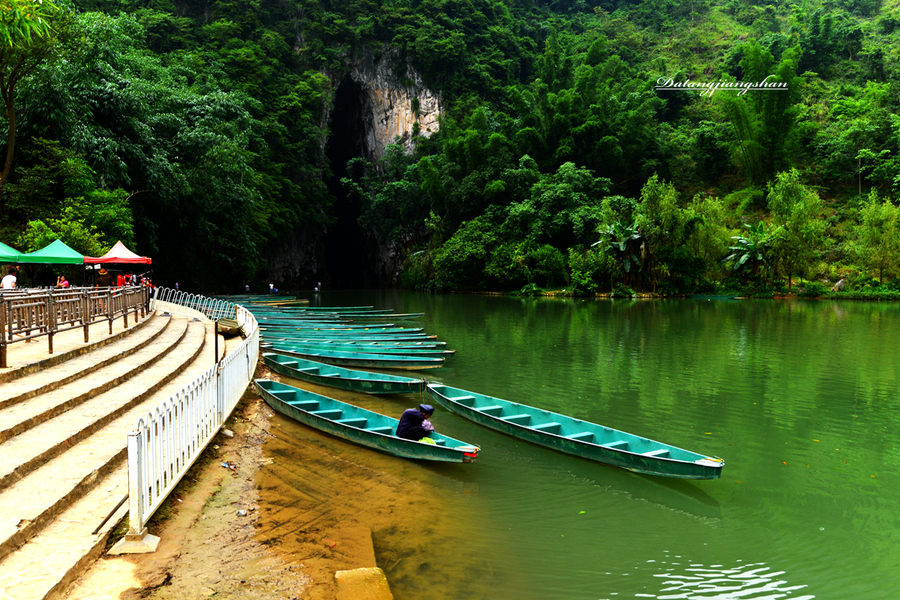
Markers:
<point>392,101</point>
<point>377,99</point>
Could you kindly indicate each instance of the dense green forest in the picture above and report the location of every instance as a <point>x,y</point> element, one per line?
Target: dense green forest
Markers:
<point>196,132</point>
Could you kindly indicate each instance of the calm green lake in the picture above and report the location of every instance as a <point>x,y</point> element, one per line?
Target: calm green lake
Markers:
<point>798,397</point>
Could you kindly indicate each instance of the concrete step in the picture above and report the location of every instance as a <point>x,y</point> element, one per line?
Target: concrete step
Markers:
<point>57,399</point>
<point>34,384</point>
<point>27,358</point>
<point>68,463</point>
<point>95,471</point>
<point>70,453</point>
<point>51,560</point>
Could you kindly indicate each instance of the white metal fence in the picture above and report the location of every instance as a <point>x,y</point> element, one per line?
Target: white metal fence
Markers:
<point>213,308</point>
<point>170,438</point>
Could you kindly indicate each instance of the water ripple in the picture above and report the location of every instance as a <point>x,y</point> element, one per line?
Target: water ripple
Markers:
<point>741,582</point>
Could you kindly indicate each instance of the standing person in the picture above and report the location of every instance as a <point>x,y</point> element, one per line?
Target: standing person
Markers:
<point>414,423</point>
<point>9,281</point>
<point>105,279</point>
<point>62,282</point>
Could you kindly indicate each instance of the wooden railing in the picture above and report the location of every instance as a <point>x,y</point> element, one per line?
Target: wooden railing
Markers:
<point>29,314</point>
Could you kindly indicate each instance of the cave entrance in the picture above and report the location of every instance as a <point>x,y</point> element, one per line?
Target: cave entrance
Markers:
<point>345,246</point>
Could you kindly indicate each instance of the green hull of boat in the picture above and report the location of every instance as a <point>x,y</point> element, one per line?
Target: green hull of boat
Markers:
<point>229,327</point>
<point>424,352</point>
<point>373,346</point>
<point>358,425</point>
<point>340,378</point>
<point>343,332</point>
<point>576,437</point>
<point>362,360</point>
<point>412,337</point>
<point>300,325</point>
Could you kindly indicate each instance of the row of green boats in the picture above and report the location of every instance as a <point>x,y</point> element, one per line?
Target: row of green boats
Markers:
<point>327,360</point>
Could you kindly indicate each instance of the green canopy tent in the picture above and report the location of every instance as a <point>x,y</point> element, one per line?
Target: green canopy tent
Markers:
<point>56,253</point>
<point>8,254</point>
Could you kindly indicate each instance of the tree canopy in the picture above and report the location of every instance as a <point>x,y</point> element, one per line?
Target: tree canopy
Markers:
<point>199,133</point>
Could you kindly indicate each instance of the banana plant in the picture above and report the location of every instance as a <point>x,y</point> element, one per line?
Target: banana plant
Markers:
<point>748,252</point>
<point>621,241</point>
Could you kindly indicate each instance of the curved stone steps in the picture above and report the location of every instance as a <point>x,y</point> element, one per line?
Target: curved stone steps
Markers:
<point>27,358</point>
<point>114,371</point>
<point>99,356</point>
<point>79,450</point>
<point>31,448</point>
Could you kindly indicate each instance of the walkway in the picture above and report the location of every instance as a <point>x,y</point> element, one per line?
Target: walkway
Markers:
<point>64,420</point>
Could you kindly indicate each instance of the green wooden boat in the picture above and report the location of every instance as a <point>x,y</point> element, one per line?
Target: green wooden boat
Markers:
<point>359,425</point>
<point>339,308</point>
<point>265,315</point>
<point>395,316</point>
<point>344,379</point>
<point>229,327</point>
<point>373,346</point>
<point>574,436</point>
<point>300,324</point>
<point>362,359</point>
<point>316,347</point>
<point>341,330</point>
<point>356,337</point>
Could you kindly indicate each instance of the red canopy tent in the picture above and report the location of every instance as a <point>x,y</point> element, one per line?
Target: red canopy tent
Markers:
<point>119,254</point>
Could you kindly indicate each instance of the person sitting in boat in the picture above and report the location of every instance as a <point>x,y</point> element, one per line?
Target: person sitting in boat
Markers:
<point>414,423</point>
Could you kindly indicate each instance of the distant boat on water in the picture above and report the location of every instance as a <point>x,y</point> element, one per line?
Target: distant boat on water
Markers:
<point>341,378</point>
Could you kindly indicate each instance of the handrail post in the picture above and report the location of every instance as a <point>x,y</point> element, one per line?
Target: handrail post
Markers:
<point>4,305</point>
<point>85,308</point>
<point>51,320</point>
<point>137,540</point>
<point>109,308</point>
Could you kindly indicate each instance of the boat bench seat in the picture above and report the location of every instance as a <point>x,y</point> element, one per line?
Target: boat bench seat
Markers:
<point>661,453</point>
<point>616,445</point>
<point>384,430</point>
<point>584,436</point>
<point>359,422</point>
<point>311,370</point>
<point>518,419</point>
<point>465,400</point>
<point>305,404</point>
<point>283,394</point>
<point>440,442</point>
<point>493,411</point>
<point>331,414</point>
<point>547,427</point>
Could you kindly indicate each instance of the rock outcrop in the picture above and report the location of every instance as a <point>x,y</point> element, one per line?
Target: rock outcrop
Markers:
<point>394,104</point>
<point>377,99</point>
